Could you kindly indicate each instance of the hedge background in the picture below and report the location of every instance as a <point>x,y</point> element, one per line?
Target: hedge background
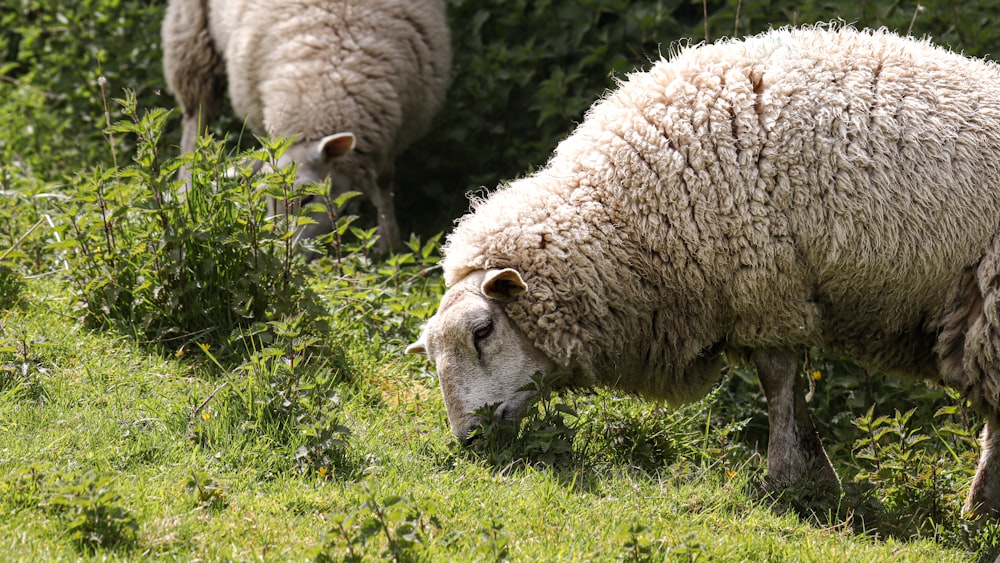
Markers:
<point>524,72</point>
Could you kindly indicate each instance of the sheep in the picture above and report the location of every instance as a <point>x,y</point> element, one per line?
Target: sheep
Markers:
<point>354,82</point>
<point>806,186</point>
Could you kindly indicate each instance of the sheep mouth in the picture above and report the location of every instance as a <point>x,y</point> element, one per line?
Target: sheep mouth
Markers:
<point>491,421</point>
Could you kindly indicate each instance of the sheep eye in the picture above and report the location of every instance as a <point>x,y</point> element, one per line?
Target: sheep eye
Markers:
<point>483,331</point>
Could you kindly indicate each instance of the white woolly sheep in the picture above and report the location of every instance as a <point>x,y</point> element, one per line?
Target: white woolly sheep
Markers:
<point>801,187</point>
<point>355,82</point>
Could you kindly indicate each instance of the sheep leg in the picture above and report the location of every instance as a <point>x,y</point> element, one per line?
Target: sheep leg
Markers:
<point>191,129</point>
<point>794,450</point>
<point>384,200</point>
<point>984,496</point>
<point>968,349</point>
<point>194,69</point>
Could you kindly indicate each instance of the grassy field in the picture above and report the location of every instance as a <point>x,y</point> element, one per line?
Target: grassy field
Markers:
<point>107,425</point>
<point>110,449</point>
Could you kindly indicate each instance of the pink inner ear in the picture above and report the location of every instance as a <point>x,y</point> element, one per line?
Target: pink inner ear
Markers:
<point>335,146</point>
<point>417,348</point>
<point>503,285</point>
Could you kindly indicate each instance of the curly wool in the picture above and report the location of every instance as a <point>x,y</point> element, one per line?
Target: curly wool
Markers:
<point>803,186</point>
<point>378,68</point>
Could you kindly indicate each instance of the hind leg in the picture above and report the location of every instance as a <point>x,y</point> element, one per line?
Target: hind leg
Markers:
<point>194,69</point>
<point>968,351</point>
<point>984,496</point>
<point>794,451</point>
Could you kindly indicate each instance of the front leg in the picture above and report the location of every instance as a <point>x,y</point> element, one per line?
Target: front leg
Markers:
<point>383,197</point>
<point>793,450</point>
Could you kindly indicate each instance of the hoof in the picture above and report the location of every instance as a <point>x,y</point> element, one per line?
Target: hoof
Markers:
<point>978,508</point>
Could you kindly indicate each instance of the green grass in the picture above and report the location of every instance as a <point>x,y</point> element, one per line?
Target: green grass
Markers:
<point>101,406</point>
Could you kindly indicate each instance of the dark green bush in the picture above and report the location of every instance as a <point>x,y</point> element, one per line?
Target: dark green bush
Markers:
<point>66,58</point>
<point>526,71</point>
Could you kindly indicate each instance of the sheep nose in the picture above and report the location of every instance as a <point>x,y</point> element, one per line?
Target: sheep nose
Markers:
<point>465,436</point>
<point>469,435</point>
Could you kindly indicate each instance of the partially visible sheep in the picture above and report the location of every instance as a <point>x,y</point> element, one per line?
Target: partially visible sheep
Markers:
<point>355,81</point>
<point>802,187</point>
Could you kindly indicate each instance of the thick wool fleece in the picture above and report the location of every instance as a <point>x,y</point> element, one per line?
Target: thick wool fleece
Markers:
<point>377,68</point>
<point>803,186</point>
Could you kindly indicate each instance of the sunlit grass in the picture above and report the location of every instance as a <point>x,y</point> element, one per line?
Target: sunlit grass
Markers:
<point>125,412</point>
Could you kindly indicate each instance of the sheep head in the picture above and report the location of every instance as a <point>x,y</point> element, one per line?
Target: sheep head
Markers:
<point>481,357</point>
<point>316,161</point>
<point>317,158</point>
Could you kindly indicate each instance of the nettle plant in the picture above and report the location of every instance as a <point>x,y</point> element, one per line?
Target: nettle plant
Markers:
<point>203,267</point>
<point>95,515</point>
<point>397,526</point>
<point>543,436</point>
<point>21,363</point>
<point>87,507</point>
<point>915,472</point>
<point>175,266</point>
<point>285,396</point>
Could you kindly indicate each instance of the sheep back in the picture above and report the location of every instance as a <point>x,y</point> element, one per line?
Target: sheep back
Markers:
<point>815,185</point>
<point>377,68</point>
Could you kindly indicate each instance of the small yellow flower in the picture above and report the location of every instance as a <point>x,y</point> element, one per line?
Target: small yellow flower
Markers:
<point>206,415</point>
<point>816,375</point>
<point>730,474</point>
<point>322,472</point>
<point>179,352</point>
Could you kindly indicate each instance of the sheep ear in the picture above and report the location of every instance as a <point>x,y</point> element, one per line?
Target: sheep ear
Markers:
<point>255,165</point>
<point>335,146</point>
<point>503,285</point>
<point>417,347</point>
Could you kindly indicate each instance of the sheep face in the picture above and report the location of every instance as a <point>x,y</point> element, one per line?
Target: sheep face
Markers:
<point>316,161</point>
<point>481,357</point>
